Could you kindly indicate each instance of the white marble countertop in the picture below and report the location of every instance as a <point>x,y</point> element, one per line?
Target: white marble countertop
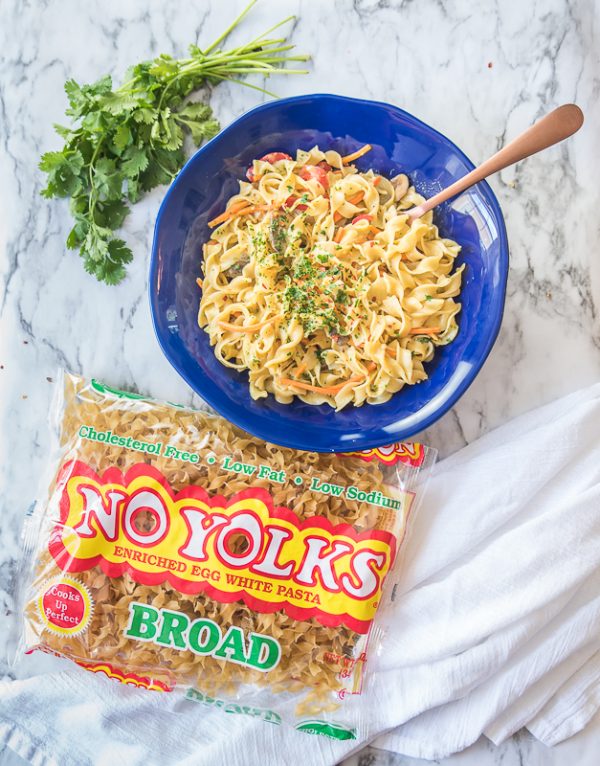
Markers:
<point>480,73</point>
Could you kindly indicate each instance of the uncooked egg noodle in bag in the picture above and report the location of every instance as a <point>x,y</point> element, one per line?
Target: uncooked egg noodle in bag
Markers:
<point>175,552</point>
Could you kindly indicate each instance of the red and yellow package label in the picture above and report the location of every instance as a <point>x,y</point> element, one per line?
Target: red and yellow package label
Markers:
<point>128,678</point>
<point>243,547</point>
<point>411,454</point>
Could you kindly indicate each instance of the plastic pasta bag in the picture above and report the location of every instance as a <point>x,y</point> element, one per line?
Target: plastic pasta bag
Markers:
<point>175,552</point>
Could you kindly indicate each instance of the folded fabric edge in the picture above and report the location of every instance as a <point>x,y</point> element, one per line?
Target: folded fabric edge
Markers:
<point>551,731</point>
<point>538,698</point>
<point>23,744</point>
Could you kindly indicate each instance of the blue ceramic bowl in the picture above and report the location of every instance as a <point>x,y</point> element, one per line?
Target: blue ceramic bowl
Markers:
<point>401,143</point>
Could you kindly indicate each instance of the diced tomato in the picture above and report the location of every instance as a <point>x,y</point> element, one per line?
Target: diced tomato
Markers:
<point>271,158</point>
<point>290,202</point>
<point>363,217</point>
<point>316,172</point>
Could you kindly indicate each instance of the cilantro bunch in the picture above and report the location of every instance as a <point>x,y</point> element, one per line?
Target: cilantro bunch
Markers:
<point>125,141</point>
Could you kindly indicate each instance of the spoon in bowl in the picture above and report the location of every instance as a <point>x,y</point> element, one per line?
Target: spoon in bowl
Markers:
<point>554,127</point>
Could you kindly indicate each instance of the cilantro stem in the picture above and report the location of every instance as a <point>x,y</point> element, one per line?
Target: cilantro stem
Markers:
<point>272,29</point>
<point>246,85</point>
<point>93,191</point>
<point>230,28</point>
<point>167,172</point>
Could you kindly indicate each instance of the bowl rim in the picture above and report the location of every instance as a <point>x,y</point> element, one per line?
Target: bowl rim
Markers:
<point>250,422</point>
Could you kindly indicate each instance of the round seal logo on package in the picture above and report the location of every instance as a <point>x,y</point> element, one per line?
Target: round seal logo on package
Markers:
<point>66,606</point>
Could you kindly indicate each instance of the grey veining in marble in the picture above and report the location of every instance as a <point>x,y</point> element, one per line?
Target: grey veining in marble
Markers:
<point>478,72</point>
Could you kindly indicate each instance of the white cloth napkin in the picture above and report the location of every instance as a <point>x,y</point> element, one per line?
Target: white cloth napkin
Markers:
<point>496,627</point>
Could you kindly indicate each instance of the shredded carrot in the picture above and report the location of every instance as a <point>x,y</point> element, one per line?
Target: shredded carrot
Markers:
<point>231,210</point>
<point>246,328</point>
<point>371,366</point>
<point>199,282</point>
<point>320,389</point>
<point>234,210</point>
<point>300,368</point>
<point>425,330</point>
<point>371,232</point>
<point>358,153</point>
<point>353,200</point>
<point>356,198</point>
<point>339,233</point>
<point>390,351</point>
<point>376,180</point>
<point>224,217</point>
<point>366,235</point>
<point>252,209</point>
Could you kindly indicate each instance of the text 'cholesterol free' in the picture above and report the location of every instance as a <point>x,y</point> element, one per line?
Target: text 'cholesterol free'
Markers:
<point>261,471</point>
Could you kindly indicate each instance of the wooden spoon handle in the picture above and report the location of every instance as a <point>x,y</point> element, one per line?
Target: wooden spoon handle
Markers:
<point>554,127</point>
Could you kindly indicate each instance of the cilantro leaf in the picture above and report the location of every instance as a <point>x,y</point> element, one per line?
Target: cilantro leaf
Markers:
<point>77,100</point>
<point>62,130</point>
<point>63,169</point>
<point>135,160</point>
<point>108,181</point>
<point>51,161</point>
<point>203,130</point>
<point>119,252</point>
<point>164,67</point>
<point>133,190</point>
<point>77,234</point>
<point>111,214</point>
<point>111,273</point>
<point>197,118</point>
<point>95,243</point>
<point>112,269</point>
<point>118,103</point>
<point>195,110</point>
<point>122,138</point>
<point>100,87</point>
<point>96,121</point>
<point>143,115</point>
